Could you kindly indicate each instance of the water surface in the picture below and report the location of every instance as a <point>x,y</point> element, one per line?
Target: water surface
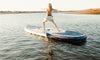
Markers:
<point>15,44</point>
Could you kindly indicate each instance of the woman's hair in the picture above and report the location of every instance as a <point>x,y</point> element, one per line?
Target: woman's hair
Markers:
<point>50,6</point>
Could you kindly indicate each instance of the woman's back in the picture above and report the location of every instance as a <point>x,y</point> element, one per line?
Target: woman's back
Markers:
<point>49,11</point>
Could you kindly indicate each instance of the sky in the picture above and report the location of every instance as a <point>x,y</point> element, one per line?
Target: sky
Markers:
<point>37,5</point>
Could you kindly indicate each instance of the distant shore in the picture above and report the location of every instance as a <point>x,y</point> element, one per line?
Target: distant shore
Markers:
<point>15,12</point>
<point>89,11</point>
<point>11,12</point>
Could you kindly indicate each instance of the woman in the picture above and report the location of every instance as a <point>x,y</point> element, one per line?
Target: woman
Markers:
<point>49,16</point>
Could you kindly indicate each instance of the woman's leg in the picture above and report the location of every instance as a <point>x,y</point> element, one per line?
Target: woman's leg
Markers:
<point>44,25</point>
<point>52,21</point>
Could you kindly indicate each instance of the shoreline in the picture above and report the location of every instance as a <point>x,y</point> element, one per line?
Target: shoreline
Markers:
<point>89,11</point>
<point>15,12</point>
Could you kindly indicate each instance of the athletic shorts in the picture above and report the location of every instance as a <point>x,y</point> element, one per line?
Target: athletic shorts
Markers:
<point>50,17</point>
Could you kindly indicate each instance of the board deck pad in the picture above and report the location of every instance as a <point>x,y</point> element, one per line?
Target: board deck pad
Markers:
<point>39,30</point>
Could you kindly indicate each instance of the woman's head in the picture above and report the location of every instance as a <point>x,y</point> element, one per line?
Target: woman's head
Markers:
<point>49,5</point>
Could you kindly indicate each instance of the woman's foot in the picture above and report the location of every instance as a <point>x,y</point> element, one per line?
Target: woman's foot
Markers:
<point>43,31</point>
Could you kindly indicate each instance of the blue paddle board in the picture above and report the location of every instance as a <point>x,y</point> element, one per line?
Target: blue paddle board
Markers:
<point>52,33</point>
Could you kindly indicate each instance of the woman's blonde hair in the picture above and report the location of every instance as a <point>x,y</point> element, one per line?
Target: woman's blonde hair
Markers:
<point>50,6</point>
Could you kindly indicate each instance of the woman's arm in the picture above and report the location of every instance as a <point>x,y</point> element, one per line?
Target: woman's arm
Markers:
<point>44,8</point>
<point>56,10</point>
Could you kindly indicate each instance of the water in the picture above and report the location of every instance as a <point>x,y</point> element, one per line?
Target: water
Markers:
<point>15,44</point>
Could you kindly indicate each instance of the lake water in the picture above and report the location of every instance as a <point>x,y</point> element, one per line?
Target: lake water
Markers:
<point>16,44</point>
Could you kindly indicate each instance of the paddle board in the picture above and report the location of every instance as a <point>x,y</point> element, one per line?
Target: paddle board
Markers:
<point>52,33</point>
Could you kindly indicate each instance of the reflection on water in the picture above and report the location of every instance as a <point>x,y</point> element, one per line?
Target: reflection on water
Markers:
<point>48,49</point>
<point>49,45</point>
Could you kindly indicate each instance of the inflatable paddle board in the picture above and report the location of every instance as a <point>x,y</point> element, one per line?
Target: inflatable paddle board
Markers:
<point>52,33</point>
